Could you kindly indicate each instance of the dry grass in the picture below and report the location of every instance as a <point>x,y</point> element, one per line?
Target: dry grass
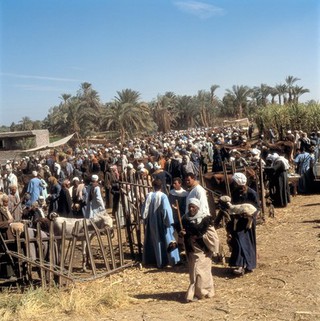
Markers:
<point>83,301</point>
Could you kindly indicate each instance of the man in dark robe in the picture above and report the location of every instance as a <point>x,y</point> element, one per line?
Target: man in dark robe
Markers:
<point>64,201</point>
<point>242,237</point>
<point>278,180</point>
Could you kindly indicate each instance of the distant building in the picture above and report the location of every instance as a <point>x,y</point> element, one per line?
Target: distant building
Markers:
<point>12,144</point>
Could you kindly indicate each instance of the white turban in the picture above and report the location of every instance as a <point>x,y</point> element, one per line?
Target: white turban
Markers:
<point>240,179</point>
<point>157,166</point>
<point>140,166</point>
<point>94,178</point>
<point>255,151</point>
<point>194,201</point>
<point>272,157</point>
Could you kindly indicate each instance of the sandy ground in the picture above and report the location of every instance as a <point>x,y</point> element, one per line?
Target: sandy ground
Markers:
<point>285,286</point>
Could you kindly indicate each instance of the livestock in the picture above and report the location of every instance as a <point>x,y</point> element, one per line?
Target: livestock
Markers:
<point>217,182</point>
<point>282,147</point>
<point>102,220</point>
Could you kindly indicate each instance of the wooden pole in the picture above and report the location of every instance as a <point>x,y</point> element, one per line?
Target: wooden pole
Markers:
<point>87,236</point>
<point>225,173</point>
<point>263,193</point>
<point>41,259</point>
<point>106,263</point>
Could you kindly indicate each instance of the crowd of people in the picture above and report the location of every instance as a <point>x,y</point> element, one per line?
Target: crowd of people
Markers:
<point>83,181</point>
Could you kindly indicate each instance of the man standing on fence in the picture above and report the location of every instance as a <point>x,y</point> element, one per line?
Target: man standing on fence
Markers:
<point>160,246</point>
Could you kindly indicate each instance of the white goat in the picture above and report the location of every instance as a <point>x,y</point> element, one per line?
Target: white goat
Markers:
<point>101,220</point>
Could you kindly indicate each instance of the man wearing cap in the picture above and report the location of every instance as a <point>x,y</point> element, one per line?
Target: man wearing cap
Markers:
<point>78,195</point>
<point>34,188</point>
<point>242,239</point>
<point>241,193</point>
<point>201,241</point>
<point>95,202</point>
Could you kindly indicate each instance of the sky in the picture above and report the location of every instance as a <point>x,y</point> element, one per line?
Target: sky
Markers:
<point>50,47</point>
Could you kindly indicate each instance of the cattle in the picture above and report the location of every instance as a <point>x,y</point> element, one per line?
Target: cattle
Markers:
<point>217,181</point>
<point>282,147</point>
<point>102,220</point>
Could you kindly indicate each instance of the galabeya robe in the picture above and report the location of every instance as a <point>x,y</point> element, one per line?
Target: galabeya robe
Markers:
<point>157,214</point>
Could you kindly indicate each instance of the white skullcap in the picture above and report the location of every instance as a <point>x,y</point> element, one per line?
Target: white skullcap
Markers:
<point>255,151</point>
<point>76,179</point>
<point>94,178</point>
<point>194,201</point>
<point>130,165</point>
<point>272,157</point>
<point>140,166</point>
<point>157,166</point>
<point>35,173</point>
<point>225,199</point>
<point>240,179</point>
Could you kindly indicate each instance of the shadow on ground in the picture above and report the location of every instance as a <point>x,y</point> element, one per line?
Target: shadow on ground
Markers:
<point>173,296</point>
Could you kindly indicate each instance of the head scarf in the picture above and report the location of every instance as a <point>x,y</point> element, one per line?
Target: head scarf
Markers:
<point>240,179</point>
<point>199,216</point>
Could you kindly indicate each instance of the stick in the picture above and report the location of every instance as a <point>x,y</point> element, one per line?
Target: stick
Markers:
<point>179,215</point>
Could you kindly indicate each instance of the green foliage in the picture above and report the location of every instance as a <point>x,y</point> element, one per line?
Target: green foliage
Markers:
<point>304,117</point>
<point>126,115</point>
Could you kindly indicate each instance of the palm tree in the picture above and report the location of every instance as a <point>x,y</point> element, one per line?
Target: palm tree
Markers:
<point>187,112</point>
<point>164,111</point>
<point>290,81</point>
<point>204,103</point>
<point>281,90</point>
<point>26,123</point>
<point>297,91</point>
<point>239,95</point>
<point>128,116</point>
<point>261,93</point>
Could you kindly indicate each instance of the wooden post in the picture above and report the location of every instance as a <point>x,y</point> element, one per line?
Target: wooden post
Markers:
<point>73,245</point>
<point>111,248</point>
<point>27,245</point>
<point>121,256</point>
<point>62,250</point>
<point>225,173</point>
<point>87,236</point>
<point>106,263</point>
<point>19,250</point>
<point>51,253</point>
<point>263,196</point>
<point>41,259</point>
<point>128,225</point>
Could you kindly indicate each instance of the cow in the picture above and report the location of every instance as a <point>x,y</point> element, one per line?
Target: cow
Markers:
<point>102,220</point>
<point>217,181</point>
<point>282,147</point>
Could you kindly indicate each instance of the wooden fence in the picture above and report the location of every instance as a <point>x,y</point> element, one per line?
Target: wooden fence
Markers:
<point>53,259</point>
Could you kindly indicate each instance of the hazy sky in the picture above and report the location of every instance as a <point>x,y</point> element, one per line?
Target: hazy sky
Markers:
<point>49,47</point>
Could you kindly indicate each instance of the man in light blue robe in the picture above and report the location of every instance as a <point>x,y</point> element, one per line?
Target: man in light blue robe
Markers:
<point>95,202</point>
<point>35,188</point>
<point>160,246</point>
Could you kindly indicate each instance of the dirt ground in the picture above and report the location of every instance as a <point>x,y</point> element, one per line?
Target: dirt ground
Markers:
<point>285,285</point>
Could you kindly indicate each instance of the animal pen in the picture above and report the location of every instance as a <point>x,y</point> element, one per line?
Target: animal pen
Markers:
<point>38,258</point>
